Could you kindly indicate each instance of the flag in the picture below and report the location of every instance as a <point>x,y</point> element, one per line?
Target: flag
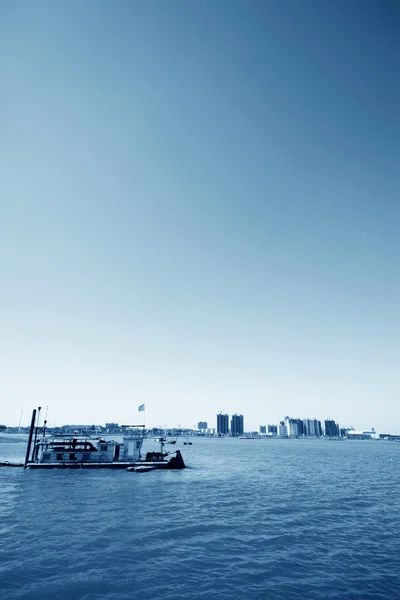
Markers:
<point>141,407</point>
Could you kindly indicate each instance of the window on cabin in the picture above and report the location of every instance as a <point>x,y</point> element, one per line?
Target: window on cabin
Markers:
<point>72,456</point>
<point>104,448</point>
<point>138,445</point>
<point>59,456</point>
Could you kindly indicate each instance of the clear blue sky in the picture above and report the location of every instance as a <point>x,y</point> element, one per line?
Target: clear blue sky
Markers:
<point>200,210</point>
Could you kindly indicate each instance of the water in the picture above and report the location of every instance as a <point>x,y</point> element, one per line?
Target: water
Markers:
<point>254,519</point>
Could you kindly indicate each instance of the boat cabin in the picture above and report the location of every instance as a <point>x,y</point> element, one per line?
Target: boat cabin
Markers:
<point>72,449</point>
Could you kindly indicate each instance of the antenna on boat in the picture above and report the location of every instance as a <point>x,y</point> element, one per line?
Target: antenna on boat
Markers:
<point>45,423</point>
<point>20,420</point>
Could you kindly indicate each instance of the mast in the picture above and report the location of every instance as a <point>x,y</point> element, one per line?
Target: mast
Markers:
<point>28,448</point>
<point>45,423</point>
<point>36,433</point>
<point>20,420</point>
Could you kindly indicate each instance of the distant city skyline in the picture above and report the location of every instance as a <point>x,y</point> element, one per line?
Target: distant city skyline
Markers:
<point>220,424</point>
<point>287,428</point>
<point>200,211</point>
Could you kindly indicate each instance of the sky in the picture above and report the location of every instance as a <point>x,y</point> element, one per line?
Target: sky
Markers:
<point>199,211</point>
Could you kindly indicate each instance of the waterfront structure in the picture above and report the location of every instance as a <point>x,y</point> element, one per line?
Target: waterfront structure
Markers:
<point>393,437</point>
<point>363,434</point>
<point>262,429</point>
<point>237,425</point>
<point>272,429</point>
<point>113,428</point>
<point>202,425</point>
<point>222,424</point>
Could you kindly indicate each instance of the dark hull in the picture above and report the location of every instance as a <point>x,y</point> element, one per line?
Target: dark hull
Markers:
<point>114,465</point>
<point>175,462</point>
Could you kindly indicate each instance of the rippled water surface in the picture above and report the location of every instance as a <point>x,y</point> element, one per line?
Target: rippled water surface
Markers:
<point>288,519</point>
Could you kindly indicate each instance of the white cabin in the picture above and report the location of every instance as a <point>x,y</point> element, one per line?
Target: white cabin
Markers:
<point>74,449</point>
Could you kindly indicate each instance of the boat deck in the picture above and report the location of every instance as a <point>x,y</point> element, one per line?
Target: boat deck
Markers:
<point>100,465</point>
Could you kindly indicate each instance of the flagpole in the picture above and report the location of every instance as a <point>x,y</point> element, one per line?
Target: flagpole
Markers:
<point>142,408</point>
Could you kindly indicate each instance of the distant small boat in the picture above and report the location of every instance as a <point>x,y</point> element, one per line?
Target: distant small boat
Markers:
<point>188,443</point>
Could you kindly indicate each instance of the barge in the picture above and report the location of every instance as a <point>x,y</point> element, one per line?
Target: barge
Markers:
<point>87,452</point>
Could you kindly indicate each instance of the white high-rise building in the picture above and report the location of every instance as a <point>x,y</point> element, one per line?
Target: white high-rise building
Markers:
<point>310,427</point>
<point>282,431</point>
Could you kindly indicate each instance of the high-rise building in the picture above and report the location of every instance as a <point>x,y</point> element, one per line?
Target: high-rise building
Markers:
<point>273,429</point>
<point>308,425</point>
<point>282,430</point>
<point>262,429</point>
<point>300,427</point>
<point>222,424</point>
<point>291,427</point>
<point>202,425</point>
<point>294,427</point>
<point>312,428</point>
<point>237,425</point>
<point>331,428</point>
<point>318,427</point>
